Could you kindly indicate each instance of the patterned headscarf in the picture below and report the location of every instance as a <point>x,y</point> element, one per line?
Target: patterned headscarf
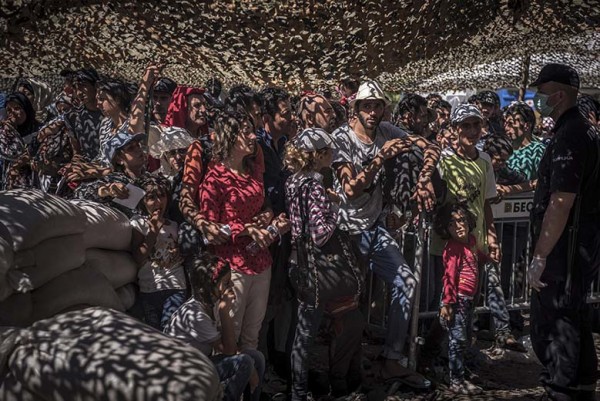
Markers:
<point>30,124</point>
<point>178,109</point>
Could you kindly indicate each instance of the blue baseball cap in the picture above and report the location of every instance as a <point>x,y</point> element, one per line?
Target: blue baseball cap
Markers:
<point>118,141</point>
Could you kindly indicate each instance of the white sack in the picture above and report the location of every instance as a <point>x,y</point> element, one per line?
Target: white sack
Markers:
<point>51,258</point>
<point>82,286</point>
<point>100,354</point>
<point>117,266</point>
<point>106,228</point>
<point>127,295</point>
<point>32,216</point>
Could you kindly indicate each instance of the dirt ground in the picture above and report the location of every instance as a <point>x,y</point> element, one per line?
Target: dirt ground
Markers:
<point>504,375</point>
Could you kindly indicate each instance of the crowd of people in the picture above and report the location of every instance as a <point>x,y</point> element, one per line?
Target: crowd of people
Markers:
<point>257,214</point>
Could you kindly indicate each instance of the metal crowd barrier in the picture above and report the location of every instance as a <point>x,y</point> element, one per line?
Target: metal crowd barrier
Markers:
<point>511,217</point>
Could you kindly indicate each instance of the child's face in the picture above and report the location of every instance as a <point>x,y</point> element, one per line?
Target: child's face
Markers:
<point>446,138</point>
<point>469,132</point>
<point>499,160</point>
<point>156,199</point>
<point>459,226</point>
<point>324,158</point>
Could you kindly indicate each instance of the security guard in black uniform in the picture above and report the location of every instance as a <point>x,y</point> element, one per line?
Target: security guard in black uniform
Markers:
<point>565,225</point>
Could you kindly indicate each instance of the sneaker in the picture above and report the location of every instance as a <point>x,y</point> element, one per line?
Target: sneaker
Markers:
<point>465,388</point>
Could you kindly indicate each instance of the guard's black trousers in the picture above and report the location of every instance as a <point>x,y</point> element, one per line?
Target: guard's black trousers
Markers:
<point>561,329</point>
<point>561,335</point>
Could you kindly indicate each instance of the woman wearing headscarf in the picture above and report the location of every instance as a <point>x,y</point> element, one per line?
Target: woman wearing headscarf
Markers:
<point>188,110</point>
<point>17,142</point>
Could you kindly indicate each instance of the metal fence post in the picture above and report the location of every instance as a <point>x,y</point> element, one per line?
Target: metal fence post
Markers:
<point>415,340</point>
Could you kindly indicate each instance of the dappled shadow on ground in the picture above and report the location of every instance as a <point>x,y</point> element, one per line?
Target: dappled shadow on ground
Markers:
<point>502,379</point>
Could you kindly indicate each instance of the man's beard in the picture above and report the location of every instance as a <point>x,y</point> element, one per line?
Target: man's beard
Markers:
<point>364,122</point>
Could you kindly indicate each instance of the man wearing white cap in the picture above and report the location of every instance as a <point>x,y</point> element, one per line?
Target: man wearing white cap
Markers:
<point>361,150</point>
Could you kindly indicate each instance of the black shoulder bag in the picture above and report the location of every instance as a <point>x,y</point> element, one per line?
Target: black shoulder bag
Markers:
<point>325,273</point>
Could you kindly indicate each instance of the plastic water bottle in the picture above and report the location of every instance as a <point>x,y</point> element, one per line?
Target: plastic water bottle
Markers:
<point>225,230</point>
<point>253,247</point>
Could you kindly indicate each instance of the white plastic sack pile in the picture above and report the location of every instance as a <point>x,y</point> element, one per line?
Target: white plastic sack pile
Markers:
<point>42,236</point>
<point>57,255</point>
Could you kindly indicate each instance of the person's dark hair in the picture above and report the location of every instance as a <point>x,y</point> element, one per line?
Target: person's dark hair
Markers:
<point>433,100</point>
<point>153,183</point>
<point>410,103</point>
<point>242,96</point>
<point>473,99</point>
<point>443,216</point>
<point>488,96</point>
<point>444,105</point>
<point>228,125</point>
<point>270,100</point>
<point>521,109</point>
<point>588,105</point>
<point>495,144</point>
<point>205,271</point>
<point>119,90</point>
<point>214,86</point>
<point>30,124</point>
<point>351,83</point>
<point>341,115</point>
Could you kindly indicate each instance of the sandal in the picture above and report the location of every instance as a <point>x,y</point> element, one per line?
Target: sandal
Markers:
<point>465,388</point>
<point>511,343</point>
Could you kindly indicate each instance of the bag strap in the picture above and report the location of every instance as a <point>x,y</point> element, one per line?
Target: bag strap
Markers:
<point>303,202</point>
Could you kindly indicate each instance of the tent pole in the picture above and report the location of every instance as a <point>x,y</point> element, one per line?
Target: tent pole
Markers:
<point>524,77</point>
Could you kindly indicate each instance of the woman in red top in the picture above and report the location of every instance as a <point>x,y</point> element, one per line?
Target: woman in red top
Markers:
<point>232,194</point>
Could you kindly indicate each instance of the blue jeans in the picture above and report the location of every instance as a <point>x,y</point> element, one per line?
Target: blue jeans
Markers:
<point>234,372</point>
<point>496,301</point>
<point>160,305</point>
<point>459,335</point>
<point>385,259</point>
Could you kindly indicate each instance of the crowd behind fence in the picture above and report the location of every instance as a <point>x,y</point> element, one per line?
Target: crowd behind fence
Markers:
<point>511,218</point>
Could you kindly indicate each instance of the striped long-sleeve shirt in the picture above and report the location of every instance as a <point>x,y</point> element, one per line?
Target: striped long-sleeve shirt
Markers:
<point>322,213</point>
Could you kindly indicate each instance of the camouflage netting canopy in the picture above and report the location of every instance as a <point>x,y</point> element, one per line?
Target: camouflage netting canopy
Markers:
<point>409,45</point>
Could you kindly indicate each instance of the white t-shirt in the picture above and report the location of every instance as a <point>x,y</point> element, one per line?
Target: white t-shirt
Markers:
<point>361,213</point>
<point>193,325</point>
<point>164,268</point>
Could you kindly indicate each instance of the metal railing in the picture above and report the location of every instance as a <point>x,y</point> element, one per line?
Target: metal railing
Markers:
<point>512,227</point>
<point>511,218</point>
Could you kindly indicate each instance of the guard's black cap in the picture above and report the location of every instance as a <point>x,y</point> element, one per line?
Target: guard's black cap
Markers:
<point>563,74</point>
